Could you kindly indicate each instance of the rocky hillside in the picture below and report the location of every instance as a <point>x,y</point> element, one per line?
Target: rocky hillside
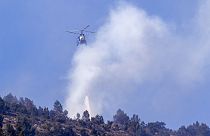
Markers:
<point>20,117</point>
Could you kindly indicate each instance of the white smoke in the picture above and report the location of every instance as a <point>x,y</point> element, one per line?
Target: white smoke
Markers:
<point>138,60</point>
<point>87,105</point>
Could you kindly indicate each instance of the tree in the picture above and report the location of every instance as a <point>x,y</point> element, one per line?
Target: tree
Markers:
<point>121,117</point>
<point>40,111</point>
<point>46,113</point>
<point>57,112</point>
<point>19,130</point>
<point>78,116</point>
<point>52,114</point>
<point>21,108</point>
<point>26,126</point>
<point>97,120</point>
<point>2,105</point>
<point>182,131</point>
<point>9,130</point>
<point>58,115</point>
<point>135,118</point>
<point>10,98</point>
<point>83,133</point>
<point>1,120</point>
<point>58,107</point>
<point>31,108</point>
<point>157,127</point>
<point>86,116</point>
<point>134,125</point>
<point>197,129</point>
<point>69,132</point>
<point>65,112</point>
<point>1,132</point>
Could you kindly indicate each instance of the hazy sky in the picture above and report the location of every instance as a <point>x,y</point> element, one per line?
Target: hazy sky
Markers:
<point>36,53</point>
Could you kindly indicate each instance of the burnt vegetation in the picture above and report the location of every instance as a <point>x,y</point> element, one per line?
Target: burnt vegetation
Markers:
<point>20,117</point>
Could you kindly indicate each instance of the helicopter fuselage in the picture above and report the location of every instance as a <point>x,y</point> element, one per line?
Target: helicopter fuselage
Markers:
<point>81,39</point>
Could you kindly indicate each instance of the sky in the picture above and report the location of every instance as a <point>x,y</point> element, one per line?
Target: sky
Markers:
<point>39,60</point>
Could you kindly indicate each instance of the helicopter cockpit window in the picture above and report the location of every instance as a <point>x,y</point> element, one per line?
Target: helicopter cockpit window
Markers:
<point>81,37</point>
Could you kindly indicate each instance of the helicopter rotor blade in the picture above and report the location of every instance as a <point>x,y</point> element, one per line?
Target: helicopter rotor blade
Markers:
<point>86,27</point>
<point>72,32</point>
<point>89,31</point>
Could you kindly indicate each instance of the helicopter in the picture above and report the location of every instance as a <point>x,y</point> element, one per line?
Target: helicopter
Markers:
<point>81,39</point>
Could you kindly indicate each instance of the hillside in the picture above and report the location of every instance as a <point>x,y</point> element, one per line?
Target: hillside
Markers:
<point>20,117</point>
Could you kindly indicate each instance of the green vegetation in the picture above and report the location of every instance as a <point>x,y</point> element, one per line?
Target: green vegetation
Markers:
<point>20,117</point>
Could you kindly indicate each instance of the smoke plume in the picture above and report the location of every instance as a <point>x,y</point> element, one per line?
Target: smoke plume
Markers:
<point>138,61</point>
